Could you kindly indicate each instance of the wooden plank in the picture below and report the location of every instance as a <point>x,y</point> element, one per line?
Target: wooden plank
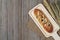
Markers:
<point>0,17</point>
<point>15,19</point>
<point>13,26</point>
<point>4,21</point>
<point>20,19</point>
<point>10,19</point>
<point>24,19</point>
<point>0,12</point>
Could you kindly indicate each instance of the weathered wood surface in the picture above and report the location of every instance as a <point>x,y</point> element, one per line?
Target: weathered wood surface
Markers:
<point>16,24</point>
<point>11,23</point>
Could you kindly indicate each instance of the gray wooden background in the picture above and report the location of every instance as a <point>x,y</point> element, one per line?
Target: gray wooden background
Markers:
<point>16,24</point>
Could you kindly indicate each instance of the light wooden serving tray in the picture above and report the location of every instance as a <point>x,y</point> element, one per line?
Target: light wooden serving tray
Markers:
<point>55,25</point>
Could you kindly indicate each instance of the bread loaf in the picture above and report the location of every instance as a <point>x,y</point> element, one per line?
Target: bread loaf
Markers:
<point>43,20</point>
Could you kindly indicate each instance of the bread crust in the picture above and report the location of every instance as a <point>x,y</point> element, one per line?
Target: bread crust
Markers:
<point>43,20</point>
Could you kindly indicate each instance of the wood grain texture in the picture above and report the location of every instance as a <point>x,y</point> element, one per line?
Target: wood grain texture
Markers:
<point>10,22</point>
<point>4,20</point>
<point>16,24</point>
